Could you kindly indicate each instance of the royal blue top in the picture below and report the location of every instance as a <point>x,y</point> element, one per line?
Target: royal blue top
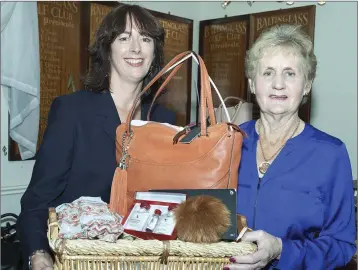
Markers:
<point>306,198</point>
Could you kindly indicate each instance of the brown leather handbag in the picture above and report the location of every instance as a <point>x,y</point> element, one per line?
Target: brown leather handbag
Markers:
<point>157,156</point>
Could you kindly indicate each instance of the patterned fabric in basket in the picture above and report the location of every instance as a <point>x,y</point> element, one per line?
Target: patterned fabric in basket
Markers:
<point>88,218</point>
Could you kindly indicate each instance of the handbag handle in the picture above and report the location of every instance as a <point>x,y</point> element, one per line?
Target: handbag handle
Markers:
<point>163,71</point>
<point>232,97</point>
<point>161,89</point>
<point>205,90</point>
<point>208,99</point>
<point>241,101</point>
<point>131,112</point>
<point>146,88</point>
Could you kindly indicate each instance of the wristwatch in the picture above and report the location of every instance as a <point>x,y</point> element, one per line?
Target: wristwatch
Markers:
<point>40,251</point>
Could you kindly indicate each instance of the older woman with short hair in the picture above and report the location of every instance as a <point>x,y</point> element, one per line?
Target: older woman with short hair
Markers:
<point>295,181</point>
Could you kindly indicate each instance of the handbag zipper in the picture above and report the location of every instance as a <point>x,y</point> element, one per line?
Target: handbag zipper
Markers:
<point>124,161</point>
<point>257,194</point>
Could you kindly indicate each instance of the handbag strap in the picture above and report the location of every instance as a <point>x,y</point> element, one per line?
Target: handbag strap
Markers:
<point>209,102</point>
<point>205,91</point>
<point>238,106</point>
<point>232,97</point>
<point>237,98</point>
<point>131,112</point>
<point>176,67</point>
<point>172,63</point>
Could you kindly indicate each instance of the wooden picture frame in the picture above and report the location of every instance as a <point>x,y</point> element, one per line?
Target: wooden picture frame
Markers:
<point>304,16</point>
<point>222,45</point>
<point>63,54</point>
<point>97,11</point>
<point>178,38</point>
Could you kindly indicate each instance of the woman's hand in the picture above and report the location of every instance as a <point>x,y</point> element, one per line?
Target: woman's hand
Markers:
<point>41,261</point>
<point>269,247</point>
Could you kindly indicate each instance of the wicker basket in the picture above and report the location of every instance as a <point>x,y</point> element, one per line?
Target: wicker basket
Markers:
<point>140,254</point>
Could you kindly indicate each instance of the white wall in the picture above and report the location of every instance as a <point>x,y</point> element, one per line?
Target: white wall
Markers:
<point>15,175</point>
<point>334,105</point>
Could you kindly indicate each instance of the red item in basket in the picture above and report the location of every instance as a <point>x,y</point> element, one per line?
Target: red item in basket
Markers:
<point>154,222</point>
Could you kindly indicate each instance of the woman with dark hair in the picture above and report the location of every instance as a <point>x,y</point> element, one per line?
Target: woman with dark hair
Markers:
<point>120,19</point>
<point>77,155</point>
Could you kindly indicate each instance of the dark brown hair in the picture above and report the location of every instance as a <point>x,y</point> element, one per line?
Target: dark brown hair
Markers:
<point>97,78</point>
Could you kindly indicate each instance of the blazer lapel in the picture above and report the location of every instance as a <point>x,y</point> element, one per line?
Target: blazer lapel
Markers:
<point>108,113</point>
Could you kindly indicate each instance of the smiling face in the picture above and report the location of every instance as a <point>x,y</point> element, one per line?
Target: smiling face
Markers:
<point>279,83</point>
<point>131,54</point>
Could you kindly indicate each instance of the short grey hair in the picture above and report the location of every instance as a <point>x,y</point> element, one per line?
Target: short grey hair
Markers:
<point>285,35</point>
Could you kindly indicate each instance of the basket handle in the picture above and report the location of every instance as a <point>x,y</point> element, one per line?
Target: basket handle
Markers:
<point>53,224</point>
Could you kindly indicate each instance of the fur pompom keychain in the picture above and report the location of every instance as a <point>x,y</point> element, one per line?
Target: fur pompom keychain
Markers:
<point>202,219</point>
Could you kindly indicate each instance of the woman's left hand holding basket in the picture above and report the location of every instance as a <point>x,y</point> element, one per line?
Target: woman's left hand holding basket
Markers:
<point>269,248</point>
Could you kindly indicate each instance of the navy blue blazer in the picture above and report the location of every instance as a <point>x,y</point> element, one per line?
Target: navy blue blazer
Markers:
<point>76,158</point>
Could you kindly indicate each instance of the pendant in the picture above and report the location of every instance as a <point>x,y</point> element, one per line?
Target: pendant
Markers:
<point>264,167</point>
